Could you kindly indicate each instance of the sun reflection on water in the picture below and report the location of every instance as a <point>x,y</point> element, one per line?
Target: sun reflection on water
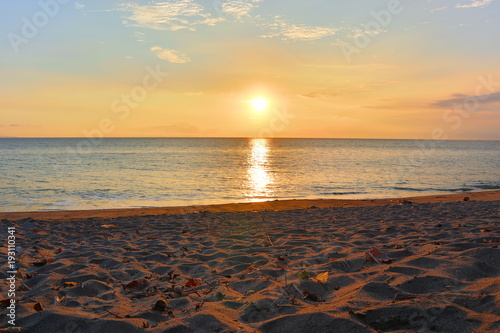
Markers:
<point>259,179</point>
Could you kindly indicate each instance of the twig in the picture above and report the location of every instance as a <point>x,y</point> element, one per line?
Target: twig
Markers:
<point>298,290</point>
<point>111,313</point>
<point>270,241</point>
<point>69,270</point>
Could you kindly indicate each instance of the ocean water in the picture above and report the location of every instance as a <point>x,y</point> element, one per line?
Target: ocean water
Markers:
<point>76,173</point>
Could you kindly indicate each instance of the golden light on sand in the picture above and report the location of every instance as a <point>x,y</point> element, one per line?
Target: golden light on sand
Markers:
<point>258,176</point>
<point>259,104</point>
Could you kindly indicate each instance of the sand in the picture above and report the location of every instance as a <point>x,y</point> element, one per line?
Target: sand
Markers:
<point>292,266</point>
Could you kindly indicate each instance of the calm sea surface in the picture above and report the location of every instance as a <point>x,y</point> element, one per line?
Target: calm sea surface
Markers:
<point>67,174</point>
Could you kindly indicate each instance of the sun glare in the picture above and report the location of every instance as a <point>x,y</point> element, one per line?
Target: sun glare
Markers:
<point>259,104</point>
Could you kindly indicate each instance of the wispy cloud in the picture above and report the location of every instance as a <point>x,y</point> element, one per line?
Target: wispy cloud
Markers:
<point>289,31</point>
<point>170,55</point>
<point>18,125</point>
<point>79,5</point>
<point>239,8</point>
<point>362,67</point>
<point>475,3</point>
<point>460,99</point>
<point>167,15</point>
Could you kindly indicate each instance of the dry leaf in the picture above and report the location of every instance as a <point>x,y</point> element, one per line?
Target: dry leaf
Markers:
<point>38,307</point>
<point>110,225</point>
<point>58,300</point>
<point>376,255</point>
<point>311,296</point>
<point>40,263</point>
<point>5,303</point>
<point>322,277</point>
<point>135,284</point>
<point>70,284</point>
<point>193,283</point>
<point>304,274</point>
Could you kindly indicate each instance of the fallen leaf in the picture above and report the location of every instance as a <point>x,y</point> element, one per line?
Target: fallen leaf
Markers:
<point>40,263</point>
<point>304,275</point>
<point>69,284</point>
<point>193,283</point>
<point>490,240</point>
<point>322,277</point>
<point>59,250</point>
<point>486,230</point>
<point>281,258</point>
<point>135,284</point>
<point>58,300</point>
<point>5,303</point>
<point>110,225</point>
<point>377,256</point>
<point>311,296</point>
<point>38,307</point>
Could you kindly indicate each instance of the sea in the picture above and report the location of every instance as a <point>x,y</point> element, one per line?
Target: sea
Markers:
<point>49,174</point>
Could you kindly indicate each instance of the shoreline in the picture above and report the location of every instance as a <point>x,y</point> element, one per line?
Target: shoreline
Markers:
<point>276,205</point>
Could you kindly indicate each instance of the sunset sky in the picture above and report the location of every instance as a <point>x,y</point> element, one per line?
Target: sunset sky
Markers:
<point>245,68</point>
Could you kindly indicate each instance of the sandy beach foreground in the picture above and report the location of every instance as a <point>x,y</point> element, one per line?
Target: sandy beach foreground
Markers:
<point>424,264</point>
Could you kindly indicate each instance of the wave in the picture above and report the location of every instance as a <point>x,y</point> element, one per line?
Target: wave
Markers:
<point>342,193</point>
<point>456,189</point>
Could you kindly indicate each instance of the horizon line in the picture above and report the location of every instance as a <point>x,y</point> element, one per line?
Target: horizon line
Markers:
<point>229,137</point>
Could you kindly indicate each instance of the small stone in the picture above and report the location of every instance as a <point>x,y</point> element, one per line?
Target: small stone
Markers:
<point>160,305</point>
<point>466,199</point>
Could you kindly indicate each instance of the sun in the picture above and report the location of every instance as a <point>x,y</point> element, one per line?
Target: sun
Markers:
<point>259,104</point>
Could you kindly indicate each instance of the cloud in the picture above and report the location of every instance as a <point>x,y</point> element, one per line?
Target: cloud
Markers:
<point>79,5</point>
<point>167,15</point>
<point>289,31</point>
<point>18,125</point>
<point>363,67</point>
<point>475,3</point>
<point>460,99</point>
<point>239,8</point>
<point>170,55</point>
<point>438,9</point>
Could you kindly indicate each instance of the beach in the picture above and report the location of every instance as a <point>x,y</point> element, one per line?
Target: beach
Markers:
<point>419,264</point>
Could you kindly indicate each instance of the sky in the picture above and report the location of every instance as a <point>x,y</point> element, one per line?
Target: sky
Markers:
<point>250,68</point>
